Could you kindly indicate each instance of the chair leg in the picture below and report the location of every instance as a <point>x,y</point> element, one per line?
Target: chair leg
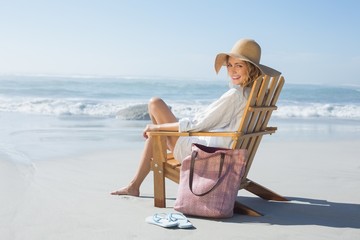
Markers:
<point>240,208</point>
<point>263,192</point>
<point>159,185</point>
<point>157,165</point>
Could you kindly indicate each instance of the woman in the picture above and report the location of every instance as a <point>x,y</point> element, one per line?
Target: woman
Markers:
<point>243,67</point>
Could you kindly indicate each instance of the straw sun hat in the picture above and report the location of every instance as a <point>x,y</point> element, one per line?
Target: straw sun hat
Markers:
<point>246,50</point>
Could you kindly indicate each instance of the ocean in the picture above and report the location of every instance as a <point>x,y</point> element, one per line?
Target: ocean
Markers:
<point>48,117</point>
<point>108,97</point>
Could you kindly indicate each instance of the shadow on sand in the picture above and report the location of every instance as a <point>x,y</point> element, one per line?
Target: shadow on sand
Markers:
<point>301,211</point>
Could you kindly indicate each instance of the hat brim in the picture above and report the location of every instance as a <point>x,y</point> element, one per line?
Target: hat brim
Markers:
<point>220,61</point>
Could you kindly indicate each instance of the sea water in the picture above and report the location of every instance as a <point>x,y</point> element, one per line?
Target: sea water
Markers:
<point>48,117</point>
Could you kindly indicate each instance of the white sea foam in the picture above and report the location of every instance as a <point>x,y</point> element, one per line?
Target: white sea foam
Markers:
<point>129,110</point>
<point>350,111</point>
<point>61,107</point>
<point>121,97</point>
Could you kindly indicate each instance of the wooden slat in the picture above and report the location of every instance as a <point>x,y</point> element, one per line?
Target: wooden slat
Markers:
<point>267,108</point>
<point>157,165</point>
<point>259,133</point>
<point>272,90</point>
<point>258,118</point>
<point>251,102</point>
<point>214,134</point>
<point>173,163</point>
<point>240,208</point>
<point>173,174</point>
<point>168,134</point>
<point>187,134</point>
<point>170,156</point>
<point>247,114</point>
<point>254,119</point>
<point>265,114</point>
<point>263,192</point>
<point>263,119</point>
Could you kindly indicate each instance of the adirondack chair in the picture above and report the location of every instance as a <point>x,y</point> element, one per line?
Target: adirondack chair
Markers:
<point>261,103</point>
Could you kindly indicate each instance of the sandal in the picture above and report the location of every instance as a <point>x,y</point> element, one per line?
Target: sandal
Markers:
<point>162,220</point>
<point>182,221</point>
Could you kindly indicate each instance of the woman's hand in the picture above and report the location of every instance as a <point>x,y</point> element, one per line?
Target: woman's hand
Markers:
<point>150,128</point>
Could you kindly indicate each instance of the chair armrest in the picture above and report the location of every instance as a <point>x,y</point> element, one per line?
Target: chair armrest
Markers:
<point>234,135</point>
<point>168,134</point>
<point>186,134</point>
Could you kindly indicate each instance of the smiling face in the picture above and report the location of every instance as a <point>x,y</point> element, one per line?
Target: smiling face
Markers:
<point>237,70</point>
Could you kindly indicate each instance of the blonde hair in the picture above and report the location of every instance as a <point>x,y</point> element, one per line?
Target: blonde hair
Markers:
<point>253,73</point>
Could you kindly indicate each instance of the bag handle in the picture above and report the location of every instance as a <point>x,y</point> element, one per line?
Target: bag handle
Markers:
<point>191,175</point>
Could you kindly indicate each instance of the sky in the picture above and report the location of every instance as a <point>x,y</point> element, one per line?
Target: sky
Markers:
<point>308,41</point>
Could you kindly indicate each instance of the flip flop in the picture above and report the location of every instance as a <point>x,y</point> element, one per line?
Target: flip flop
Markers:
<point>162,220</point>
<point>182,221</point>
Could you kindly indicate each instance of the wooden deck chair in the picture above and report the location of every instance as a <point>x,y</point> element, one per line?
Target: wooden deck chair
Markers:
<point>261,103</point>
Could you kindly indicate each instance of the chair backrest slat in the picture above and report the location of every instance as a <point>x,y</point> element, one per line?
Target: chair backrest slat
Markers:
<point>261,103</point>
<point>247,114</point>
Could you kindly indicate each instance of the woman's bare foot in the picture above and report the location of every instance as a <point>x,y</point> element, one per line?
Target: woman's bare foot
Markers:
<point>127,191</point>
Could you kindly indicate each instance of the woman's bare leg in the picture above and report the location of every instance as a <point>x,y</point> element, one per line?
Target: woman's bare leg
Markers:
<point>143,170</point>
<point>159,113</point>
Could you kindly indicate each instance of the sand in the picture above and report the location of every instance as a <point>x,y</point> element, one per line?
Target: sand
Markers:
<point>69,198</point>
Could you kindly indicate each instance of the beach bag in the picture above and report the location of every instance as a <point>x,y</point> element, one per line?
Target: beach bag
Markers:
<point>209,181</point>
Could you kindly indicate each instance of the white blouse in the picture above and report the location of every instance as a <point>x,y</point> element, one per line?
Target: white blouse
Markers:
<point>223,115</point>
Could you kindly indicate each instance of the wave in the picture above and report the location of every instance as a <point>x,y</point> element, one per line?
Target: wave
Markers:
<point>60,107</point>
<point>317,110</point>
<point>137,110</point>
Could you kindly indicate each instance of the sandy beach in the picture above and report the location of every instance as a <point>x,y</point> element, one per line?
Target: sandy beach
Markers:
<point>68,198</point>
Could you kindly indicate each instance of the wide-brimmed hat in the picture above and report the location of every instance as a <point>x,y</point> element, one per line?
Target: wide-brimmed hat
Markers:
<point>246,50</point>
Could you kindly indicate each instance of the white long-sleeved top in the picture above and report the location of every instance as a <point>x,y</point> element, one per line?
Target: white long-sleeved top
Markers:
<point>222,115</point>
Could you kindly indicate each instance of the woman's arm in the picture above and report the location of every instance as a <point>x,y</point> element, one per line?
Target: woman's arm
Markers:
<point>173,127</point>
